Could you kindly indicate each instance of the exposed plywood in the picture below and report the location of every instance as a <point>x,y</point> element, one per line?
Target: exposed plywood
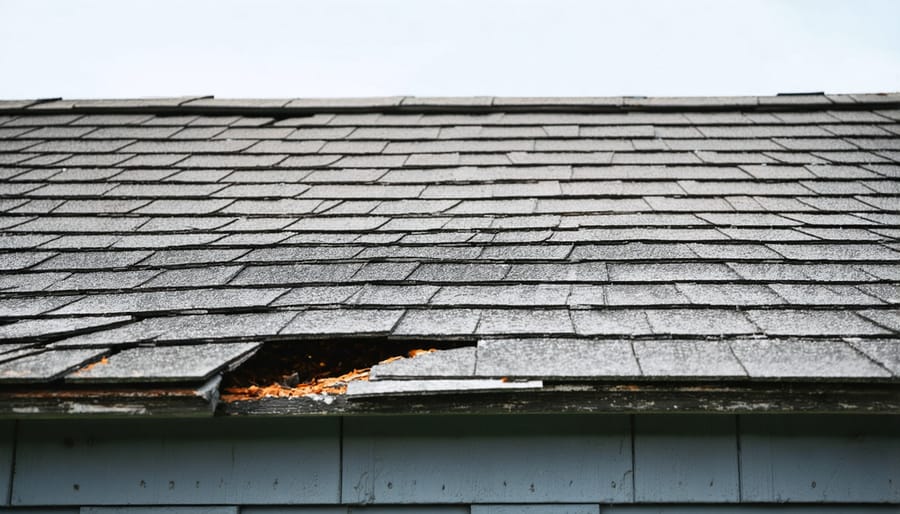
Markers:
<point>178,462</point>
<point>491,459</point>
<point>685,458</point>
<point>820,458</point>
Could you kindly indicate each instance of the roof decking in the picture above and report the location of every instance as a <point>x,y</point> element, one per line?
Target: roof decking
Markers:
<point>737,239</point>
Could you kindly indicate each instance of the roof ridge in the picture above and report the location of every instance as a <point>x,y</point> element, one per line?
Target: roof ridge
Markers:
<point>472,104</point>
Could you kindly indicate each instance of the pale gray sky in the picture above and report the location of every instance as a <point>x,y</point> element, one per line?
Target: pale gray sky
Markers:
<point>280,48</point>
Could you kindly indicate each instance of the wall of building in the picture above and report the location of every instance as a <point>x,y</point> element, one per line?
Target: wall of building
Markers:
<point>574,464</point>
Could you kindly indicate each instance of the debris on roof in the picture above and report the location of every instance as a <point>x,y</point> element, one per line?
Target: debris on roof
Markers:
<point>577,249</point>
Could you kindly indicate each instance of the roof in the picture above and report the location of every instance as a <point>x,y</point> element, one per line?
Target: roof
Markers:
<point>590,249</point>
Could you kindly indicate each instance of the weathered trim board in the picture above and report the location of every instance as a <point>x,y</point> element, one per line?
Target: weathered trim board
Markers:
<point>449,464</point>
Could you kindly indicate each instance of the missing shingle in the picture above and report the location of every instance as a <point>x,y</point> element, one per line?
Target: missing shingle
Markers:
<point>296,369</point>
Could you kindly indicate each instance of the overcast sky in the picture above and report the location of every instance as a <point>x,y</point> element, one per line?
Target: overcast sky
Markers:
<point>280,48</point>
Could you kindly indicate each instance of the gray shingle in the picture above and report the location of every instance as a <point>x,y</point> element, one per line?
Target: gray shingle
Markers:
<point>232,161</point>
<point>438,322</point>
<point>94,260</point>
<point>164,363</point>
<point>162,301</point>
<point>562,272</point>
<point>524,321</point>
<point>813,323</point>
<point>184,328</point>
<point>836,252</point>
<point>803,359</point>
<point>295,274</point>
<point>390,271</point>
<point>502,295</point>
<point>441,272</point>
<point>667,272</point>
<point>454,363</point>
<point>54,327</point>
<point>632,251</point>
<point>194,277</point>
<point>46,366</point>
<point>343,322</point>
<point>317,295</point>
<point>555,358</point>
<point>888,319</point>
<point>643,294</point>
<point>699,322</point>
<point>687,359</point>
<point>199,256</point>
<point>884,352</point>
<point>820,294</point>
<point>394,295</point>
<point>611,322</point>
<point>100,280</point>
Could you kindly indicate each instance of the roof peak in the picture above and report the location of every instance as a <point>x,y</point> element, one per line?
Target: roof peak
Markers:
<point>414,104</point>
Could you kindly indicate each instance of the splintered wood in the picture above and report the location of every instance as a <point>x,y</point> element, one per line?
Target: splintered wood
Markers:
<point>325,385</point>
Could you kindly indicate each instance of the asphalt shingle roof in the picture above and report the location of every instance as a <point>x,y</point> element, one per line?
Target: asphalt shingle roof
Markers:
<point>590,239</point>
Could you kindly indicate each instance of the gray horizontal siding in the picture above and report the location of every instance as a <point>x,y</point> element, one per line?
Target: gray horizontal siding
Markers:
<point>454,464</point>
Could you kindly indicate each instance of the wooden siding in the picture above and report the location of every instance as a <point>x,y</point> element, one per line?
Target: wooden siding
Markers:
<point>455,464</point>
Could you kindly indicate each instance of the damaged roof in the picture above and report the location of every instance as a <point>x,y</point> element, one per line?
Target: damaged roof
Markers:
<point>547,244</point>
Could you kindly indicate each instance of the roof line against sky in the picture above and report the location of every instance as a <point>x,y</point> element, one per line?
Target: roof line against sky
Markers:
<point>408,104</point>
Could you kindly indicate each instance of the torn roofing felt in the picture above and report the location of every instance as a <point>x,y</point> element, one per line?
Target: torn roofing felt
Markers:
<point>149,246</point>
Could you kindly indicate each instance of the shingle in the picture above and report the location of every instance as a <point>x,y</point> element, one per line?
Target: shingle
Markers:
<point>813,323</point>
<point>295,274</point>
<point>562,272</point>
<point>339,224</point>
<point>164,363</point>
<point>667,272</point>
<point>318,132</point>
<point>362,191</point>
<point>699,322</point>
<point>526,252</point>
<point>676,158</point>
<point>502,295</point>
<point>730,294</point>
<point>164,190</point>
<point>271,190</point>
<point>819,272</point>
<point>198,256</point>
<point>165,240</point>
<point>687,359</point>
<point>632,251</point>
<point>884,352</point>
<point>555,358</point>
<point>765,172</point>
<point>334,322</point>
<point>232,161</point>
<point>524,321</point>
<point>81,241</point>
<point>664,203</point>
<point>162,301</point>
<point>346,175</point>
<point>457,362</point>
<point>394,295</point>
<point>819,294</point>
<point>732,251</point>
<point>560,157</point>
<point>284,206</point>
<point>70,190</point>
<point>94,260</point>
<point>183,206</point>
<point>889,293</point>
<point>46,366</point>
<point>444,272</point>
<point>807,359</point>
<point>184,328</point>
<point>41,328</point>
<point>194,277</point>
<point>643,294</point>
<point>178,224</point>
<point>22,260</point>
<point>317,295</point>
<point>888,319</point>
<point>370,161</point>
<point>438,322</point>
<point>301,253</point>
<point>611,322</point>
<point>99,280</point>
<point>16,307</point>
<point>836,252</point>
<point>592,205</point>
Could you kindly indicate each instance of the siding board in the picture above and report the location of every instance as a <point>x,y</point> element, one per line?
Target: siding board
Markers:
<point>820,458</point>
<point>7,450</point>
<point>490,459</point>
<point>178,462</point>
<point>685,458</point>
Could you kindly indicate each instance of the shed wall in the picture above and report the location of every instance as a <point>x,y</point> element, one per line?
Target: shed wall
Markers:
<point>453,464</point>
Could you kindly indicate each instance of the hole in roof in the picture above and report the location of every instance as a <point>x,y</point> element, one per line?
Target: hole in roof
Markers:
<point>294,369</point>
